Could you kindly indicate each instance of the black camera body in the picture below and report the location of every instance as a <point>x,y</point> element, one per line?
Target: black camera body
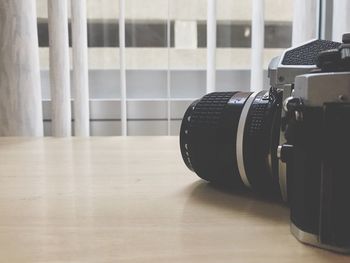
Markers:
<point>291,141</point>
<point>317,156</point>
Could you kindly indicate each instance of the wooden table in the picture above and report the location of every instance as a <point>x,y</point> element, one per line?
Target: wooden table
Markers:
<point>131,200</point>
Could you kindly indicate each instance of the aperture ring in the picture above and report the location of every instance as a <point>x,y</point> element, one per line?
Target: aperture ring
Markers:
<point>240,136</point>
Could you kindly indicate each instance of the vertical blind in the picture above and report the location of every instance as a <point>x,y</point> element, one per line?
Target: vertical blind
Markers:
<point>306,21</point>
<point>211,46</point>
<point>341,18</point>
<point>123,111</point>
<point>258,25</point>
<point>59,68</point>
<point>80,69</point>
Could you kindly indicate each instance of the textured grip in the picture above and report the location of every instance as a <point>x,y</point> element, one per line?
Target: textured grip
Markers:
<point>257,113</point>
<point>307,54</point>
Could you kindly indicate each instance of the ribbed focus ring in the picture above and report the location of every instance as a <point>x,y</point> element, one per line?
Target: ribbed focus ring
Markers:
<point>208,137</point>
<point>205,134</point>
<point>210,109</point>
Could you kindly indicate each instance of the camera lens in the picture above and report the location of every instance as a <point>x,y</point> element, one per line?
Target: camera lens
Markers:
<point>231,138</point>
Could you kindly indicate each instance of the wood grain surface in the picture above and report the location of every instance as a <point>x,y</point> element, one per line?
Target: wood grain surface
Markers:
<point>131,200</point>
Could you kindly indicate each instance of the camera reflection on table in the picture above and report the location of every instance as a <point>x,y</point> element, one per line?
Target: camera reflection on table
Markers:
<point>233,202</point>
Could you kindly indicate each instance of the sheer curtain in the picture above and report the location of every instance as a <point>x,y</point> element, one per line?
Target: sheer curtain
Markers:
<point>305,20</point>
<point>20,94</point>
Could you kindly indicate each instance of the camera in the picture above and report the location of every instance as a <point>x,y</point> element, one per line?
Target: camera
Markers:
<point>291,141</point>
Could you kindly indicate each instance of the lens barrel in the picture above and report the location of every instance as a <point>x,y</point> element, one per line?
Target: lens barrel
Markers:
<point>230,138</point>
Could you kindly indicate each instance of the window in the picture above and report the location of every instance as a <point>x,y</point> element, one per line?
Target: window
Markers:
<point>165,55</point>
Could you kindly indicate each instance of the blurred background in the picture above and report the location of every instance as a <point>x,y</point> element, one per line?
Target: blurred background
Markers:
<point>165,50</point>
<point>165,60</point>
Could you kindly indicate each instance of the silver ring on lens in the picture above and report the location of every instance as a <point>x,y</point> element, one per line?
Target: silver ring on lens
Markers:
<point>240,136</point>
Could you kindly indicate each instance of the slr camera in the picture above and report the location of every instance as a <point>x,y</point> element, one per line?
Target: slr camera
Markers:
<point>291,141</point>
